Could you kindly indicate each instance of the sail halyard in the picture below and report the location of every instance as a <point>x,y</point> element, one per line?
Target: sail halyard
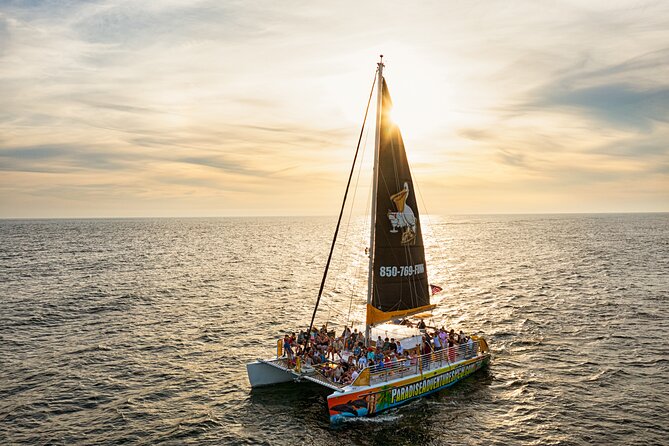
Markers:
<point>398,285</point>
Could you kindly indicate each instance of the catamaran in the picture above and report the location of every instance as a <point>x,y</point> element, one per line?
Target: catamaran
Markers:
<point>398,292</point>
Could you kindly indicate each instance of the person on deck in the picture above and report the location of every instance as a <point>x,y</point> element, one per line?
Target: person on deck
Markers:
<point>378,357</point>
<point>398,347</point>
<point>470,346</point>
<point>357,350</point>
<point>443,336</point>
<point>437,342</point>
<point>287,348</point>
<point>338,373</point>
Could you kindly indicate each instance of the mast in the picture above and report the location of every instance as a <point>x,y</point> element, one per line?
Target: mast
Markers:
<point>377,144</point>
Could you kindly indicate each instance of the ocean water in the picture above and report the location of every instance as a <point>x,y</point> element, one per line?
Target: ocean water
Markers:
<point>137,331</point>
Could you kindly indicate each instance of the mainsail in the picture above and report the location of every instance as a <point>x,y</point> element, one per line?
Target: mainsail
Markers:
<point>399,281</point>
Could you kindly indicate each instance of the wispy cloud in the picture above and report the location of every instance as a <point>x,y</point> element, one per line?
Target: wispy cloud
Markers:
<point>213,108</point>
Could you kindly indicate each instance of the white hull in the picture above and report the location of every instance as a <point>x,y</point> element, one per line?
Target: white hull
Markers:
<point>262,374</point>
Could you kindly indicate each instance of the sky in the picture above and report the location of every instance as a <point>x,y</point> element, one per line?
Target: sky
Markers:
<point>234,108</point>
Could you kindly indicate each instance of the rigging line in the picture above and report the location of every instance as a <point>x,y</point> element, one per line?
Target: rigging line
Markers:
<point>357,180</point>
<point>350,212</point>
<point>343,205</point>
<point>367,218</point>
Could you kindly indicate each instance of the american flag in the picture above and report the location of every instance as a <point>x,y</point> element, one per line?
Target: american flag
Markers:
<point>435,289</point>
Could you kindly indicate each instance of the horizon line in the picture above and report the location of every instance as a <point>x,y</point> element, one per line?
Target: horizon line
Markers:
<point>325,215</point>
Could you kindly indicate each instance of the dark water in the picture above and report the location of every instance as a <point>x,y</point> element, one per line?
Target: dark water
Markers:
<point>137,331</point>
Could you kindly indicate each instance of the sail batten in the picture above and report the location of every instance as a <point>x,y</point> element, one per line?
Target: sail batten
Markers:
<point>399,281</point>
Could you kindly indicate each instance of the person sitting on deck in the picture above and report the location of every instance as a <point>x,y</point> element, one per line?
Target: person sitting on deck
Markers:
<point>421,324</point>
<point>338,374</point>
<point>357,349</point>
<point>354,375</point>
<point>351,362</point>
<point>362,361</point>
<point>392,347</point>
<point>330,353</point>
<point>379,342</point>
<point>370,354</point>
<point>399,347</point>
<point>386,345</point>
<point>379,355</point>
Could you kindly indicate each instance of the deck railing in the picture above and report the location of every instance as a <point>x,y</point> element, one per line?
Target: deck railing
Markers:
<point>422,363</point>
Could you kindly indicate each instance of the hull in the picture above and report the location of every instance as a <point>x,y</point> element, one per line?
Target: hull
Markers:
<point>358,402</point>
<point>263,374</point>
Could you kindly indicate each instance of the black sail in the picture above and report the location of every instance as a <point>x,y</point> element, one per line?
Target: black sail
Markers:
<point>400,276</point>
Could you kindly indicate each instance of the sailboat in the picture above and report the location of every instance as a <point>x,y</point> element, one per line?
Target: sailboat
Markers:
<point>398,296</point>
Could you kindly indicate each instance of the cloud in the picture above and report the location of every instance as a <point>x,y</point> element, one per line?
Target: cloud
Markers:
<point>632,94</point>
<point>182,102</point>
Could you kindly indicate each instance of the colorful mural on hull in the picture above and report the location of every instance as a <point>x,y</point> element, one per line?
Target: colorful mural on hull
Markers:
<point>370,401</point>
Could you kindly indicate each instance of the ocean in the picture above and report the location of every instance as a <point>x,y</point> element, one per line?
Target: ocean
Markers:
<point>137,331</point>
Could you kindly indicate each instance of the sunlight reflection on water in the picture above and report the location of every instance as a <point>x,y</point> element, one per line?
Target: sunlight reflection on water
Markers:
<point>118,331</point>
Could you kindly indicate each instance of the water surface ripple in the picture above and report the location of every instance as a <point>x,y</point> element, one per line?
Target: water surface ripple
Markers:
<point>137,331</point>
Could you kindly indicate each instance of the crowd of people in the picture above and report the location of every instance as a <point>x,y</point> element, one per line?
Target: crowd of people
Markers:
<point>342,358</point>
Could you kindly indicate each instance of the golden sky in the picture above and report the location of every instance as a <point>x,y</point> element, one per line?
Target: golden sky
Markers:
<point>216,108</point>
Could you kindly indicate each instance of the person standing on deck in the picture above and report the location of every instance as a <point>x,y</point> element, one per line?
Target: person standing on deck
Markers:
<point>437,342</point>
<point>287,347</point>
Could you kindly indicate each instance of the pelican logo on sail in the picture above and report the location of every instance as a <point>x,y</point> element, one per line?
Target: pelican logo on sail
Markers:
<point>403,219</point>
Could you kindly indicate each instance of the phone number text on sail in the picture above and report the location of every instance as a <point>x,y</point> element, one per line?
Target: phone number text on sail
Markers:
<point>401,271</point>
